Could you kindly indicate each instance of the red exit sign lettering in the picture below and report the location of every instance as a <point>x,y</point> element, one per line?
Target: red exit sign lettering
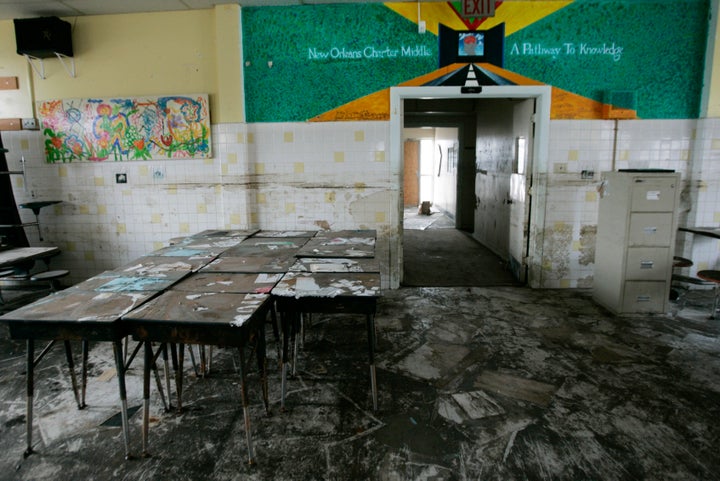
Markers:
<point>478,8</point>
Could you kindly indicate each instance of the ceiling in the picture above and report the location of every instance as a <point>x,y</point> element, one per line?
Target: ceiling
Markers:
<point>10,9</point>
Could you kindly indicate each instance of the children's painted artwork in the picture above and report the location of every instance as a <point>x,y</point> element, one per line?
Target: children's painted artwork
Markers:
<point>120,129</point>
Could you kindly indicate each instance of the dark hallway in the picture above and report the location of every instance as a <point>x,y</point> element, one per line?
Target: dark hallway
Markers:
<point>436,254</point>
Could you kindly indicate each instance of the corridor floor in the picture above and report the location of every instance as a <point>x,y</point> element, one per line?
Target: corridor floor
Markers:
<point>503,383</point>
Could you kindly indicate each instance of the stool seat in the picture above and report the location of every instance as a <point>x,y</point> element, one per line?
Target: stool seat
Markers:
<point>7,273</point>
<point>49,275</point>
<point>709,275</point>
<point>681,262</point>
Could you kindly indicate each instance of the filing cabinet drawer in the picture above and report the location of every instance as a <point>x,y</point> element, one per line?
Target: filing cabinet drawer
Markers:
<point>650,229</point>
<point>647,264</point>
<point>653,195</point>
<point>645,297</point>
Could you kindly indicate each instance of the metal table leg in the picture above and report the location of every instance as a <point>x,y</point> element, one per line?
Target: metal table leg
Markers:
<point>120,367</point>
<point>30,393</point>
<point>371,352</point>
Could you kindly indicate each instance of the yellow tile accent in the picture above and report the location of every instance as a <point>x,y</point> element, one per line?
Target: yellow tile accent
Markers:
<point>89,255</point>
<point>685,155</point>
<point>591,196</point>
<point>201,208</point>
<point>101,209</point>
<point>339,156</point>
<point>701,266</point>
<point>158,245</point>
<point>127,193</point>
<point>380,217</point>
<point>232,158</point>
<point>289,207</point>
<point>250,138</point>
<point>184,228</point>
<point>360,186</point>
<point>547,264</point>
<point>99,181</point>
<point>380,156</point>
<point>208,161</point>
<point>259,168</point>
<point>261,198</point>
<point>218,189</point>
<point>254,218</point>
<point>121,229</point>
<point>19,182</point>
<point>715,144</point>
<point>172,189</point>
<point>299,167</point>
<point>156,218</point>
<point>573,155</point>
<point>235,219</point>
<point>24,144</point>
<point>70,246</point>
<point>624,155</point>
<point>240,138</point>
<point>330,197</point>
<point>576,245</point>
<point>565,283</point>
<point>143,171</point>
<point>359,135</point>
<point>57,209</point>
<point>702,187</point>
<point>224,169</point>
<point>62,171</point>
<point>559,225</point>
<point>83,209</point>
<point>288,137</point>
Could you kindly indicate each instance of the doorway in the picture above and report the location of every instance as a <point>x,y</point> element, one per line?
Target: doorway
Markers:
<point>511,123</point>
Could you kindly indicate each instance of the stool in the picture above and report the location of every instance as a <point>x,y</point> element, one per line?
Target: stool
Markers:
<point>678,262</point>
<point>712,276</point>
<point>52,277</point>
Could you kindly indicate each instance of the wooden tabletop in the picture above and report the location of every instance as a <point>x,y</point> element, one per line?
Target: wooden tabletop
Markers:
<point>241,283</point>
<point>338,247</point>
<point>77,306</point>
<point>334,264</point>
<point>21,255</point>
<point>250,264</point>
<point>328,285</point>
<point>203,309</point>
<point>110,281</point>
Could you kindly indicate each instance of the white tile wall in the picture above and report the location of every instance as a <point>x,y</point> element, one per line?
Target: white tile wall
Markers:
<point>338,175</point>
<point>273,176</point>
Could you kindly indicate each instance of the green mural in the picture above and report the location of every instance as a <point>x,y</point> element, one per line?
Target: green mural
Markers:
<point>302,61</point>
<point>326,55</point>
<point>654,49</point>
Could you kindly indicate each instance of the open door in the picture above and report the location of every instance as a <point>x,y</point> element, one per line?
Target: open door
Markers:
<point>519,190</point>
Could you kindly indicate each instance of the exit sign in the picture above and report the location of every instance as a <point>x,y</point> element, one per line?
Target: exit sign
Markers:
<point>478,8</point>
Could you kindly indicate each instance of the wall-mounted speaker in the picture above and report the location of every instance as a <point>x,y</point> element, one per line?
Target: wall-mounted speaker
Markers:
<point>43,37</point>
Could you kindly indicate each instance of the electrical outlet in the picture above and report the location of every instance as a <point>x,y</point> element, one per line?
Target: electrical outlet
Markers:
<point>560,167</point>
<point>587,174</point>
<point>121,178</point>
<point>158,173</point>
<point>30,124</point>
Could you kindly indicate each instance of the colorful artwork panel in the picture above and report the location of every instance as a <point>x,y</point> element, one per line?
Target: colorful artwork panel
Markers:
<point>121,129</point>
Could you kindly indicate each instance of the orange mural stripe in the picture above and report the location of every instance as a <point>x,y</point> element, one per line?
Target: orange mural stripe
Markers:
<point>376,106</point>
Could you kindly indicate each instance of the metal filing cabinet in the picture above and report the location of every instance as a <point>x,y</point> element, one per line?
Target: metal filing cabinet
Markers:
<point>636,229</point>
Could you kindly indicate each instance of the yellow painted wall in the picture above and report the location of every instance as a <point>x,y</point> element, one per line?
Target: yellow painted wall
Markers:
<point>161,53</point>
<point>713,108</point>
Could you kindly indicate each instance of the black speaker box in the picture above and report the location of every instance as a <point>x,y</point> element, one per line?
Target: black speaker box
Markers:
<point>42,37</point>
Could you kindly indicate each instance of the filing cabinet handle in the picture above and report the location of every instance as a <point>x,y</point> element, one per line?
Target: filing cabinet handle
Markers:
<point>643,298</point>
<point>646,264</point>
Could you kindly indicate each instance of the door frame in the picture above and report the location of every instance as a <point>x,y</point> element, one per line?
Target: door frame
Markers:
<point>542,95</point>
